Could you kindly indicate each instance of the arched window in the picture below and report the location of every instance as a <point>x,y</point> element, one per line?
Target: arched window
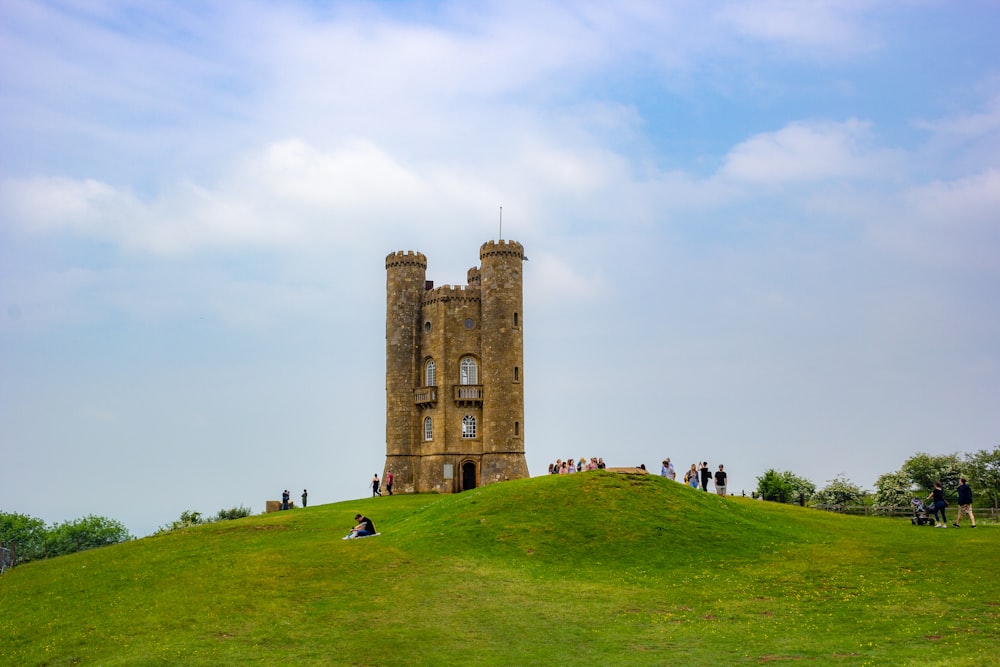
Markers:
<point>517,374</point>
<point>517,429</point>
<point>468,426</point>
<point>468,372</point>
<point>428,429</point>
<point>430,374</point>
<point>515,320</point>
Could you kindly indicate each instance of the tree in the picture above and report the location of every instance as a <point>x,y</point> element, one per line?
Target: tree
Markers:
<point>26,533</point>
<point>82,534</point>
<point>982,469</point>
<point>839,491</point>
<point>925,469</point>
<point>784,487</point>
<point>893,489</point>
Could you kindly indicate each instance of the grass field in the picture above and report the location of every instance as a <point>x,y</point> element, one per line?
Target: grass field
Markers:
<point>596,568</point>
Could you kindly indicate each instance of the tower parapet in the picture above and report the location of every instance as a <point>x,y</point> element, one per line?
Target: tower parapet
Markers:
<point>452,293</point>
<point>405,258</point>
<point>501,247</point>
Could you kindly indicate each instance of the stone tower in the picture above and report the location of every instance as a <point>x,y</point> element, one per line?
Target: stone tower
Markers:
<point>454,373</point>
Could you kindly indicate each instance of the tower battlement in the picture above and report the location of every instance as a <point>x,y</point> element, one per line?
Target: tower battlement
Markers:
<point>501,247</point>
<point>452,293</point>
<point>406,258</point>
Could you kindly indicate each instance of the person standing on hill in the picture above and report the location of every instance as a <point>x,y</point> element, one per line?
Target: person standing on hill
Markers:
<point>937,493</point>
<point>305,497</point>
<point>375,486</point>
<point>691,477</point>
<point>388,481</point>
<point>284,499</point>
<point>720,482</point>
<point>964,503</point>
<point>706,475</point>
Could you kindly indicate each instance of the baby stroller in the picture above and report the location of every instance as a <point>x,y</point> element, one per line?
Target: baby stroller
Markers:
<point>921,513</point>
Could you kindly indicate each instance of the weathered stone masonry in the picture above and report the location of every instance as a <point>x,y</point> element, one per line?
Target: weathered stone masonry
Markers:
<point>454,378</point>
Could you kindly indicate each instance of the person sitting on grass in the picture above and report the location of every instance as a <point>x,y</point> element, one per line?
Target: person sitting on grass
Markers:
<point>364,528</point>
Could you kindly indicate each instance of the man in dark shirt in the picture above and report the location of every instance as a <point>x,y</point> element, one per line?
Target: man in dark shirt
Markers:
<point>964,502</point>
<point>706,475</point>
<point>364,528</point>
<point>720,482</point>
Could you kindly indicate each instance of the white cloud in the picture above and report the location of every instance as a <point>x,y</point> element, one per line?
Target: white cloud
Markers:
<point>554,279</point>
<point>822,28</point>
<point>975,124</point>
<point>966,142</point>
<point>292,194</point>
<point>952,224</point>
<point>808,152</point>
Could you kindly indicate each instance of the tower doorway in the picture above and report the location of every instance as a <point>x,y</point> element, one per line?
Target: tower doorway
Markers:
<point>468,476</point>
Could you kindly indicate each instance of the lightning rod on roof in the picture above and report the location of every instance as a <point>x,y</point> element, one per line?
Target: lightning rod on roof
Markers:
<point>501,223</point>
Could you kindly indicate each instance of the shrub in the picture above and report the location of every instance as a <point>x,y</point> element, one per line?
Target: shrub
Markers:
<point>784,487</point>
<point>925,469</point>
<point>893,489</point>
<point>983,473</point>
<point>188,518</point>
<point>82,534</point>
<point>839,491</point>
<point>232,513</point>
<point>191,518</point>
<point>27,534</point>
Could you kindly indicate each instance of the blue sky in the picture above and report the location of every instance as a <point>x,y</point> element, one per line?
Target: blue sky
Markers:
<point>764,234</point>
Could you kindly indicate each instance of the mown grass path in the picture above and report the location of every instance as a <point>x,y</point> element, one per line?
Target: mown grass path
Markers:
<point>595,568</point>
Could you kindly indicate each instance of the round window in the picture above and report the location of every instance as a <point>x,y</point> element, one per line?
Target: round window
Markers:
<point>427,326</point>
<point>469,323</point>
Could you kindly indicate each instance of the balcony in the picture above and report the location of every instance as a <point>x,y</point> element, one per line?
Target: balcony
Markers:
<point>425,397</point>
<point>469,394</point>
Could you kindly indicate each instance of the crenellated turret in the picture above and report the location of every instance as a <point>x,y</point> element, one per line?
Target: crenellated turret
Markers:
<point>405,286</point>
<point>503,360</point>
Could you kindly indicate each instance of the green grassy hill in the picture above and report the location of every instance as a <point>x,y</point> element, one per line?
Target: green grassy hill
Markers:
<point>596,568</point>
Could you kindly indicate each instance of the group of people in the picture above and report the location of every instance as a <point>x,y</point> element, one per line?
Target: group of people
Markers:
<point>377,487</point>
<point>561,467</point>
<point>699,475</point>
<point>286,502</point>
<point>940,504</point>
